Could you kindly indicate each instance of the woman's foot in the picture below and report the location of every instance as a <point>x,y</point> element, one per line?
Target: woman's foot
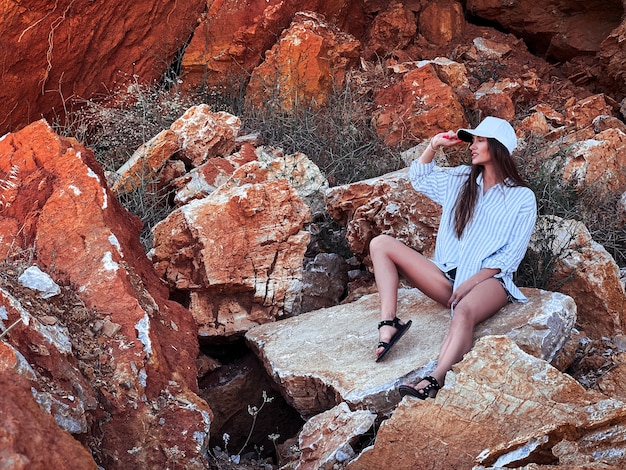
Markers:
<point>390,332</point>
<point>425,388</point>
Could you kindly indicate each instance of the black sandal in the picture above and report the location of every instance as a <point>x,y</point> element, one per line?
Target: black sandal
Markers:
<point>421,393</point>
<point>402,328</point>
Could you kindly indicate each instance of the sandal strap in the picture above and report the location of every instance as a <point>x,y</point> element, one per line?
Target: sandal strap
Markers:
<point>434,385</point>
<point>395,323</point>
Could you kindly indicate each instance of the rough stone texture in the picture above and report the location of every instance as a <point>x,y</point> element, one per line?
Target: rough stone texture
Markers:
<point>309,59</point>
<point>613,56</point>
<point>322,358</point>
<point>559,29</point>
<point>418,106</point>
<point>387,204</point>
<point>61,209</point>
<point>585,271</point>
<point>441,22</point>
<point>47,346</point>
<point>324,281</point>
<point>502,408</point>
<point>144,165</point>
<point>390,30</point>
<point>297,169</point>
<point>53,51</point>
<point>203,180</point>
<point>598,163</point>
<point>234,35</point>
<point>237,253</point>
<point>29,437</point>
<point>326,439</point>
<point>496,98</point>
<point>203,134</point>
<point>581,113</point>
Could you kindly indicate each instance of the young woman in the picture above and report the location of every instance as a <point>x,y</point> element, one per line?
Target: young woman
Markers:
<point>488,214</point>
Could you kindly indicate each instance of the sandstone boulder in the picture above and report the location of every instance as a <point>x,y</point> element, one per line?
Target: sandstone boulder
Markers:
<point>442,22</point>
<point>55,51</point>
<point>236,254</point>
<point>29,436</point>
<point>416,106</point>
<point>233,36</point>
<point>502,408</point>
<point>391,29</point>
<point>326,439</point>
<point>309,59</point>
<point>203,134</point>
<point>137,348</point>
<point>612,56</point>
<point>579,30</point>
<point>598,163</point>
<point>326,357</point>
<point>387,204</point>
<point>581,113</point>
<point>144,165</point>
<point>585,271</point>
<point>206,178</point>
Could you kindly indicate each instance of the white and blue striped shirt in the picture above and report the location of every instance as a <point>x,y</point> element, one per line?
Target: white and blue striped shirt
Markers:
<point>496,237</point>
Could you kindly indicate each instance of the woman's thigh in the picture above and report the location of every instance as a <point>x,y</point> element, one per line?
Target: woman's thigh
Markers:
<point>415,267</point>
<point>483,301</point>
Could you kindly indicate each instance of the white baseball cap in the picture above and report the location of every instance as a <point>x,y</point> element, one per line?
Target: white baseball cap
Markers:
<point>494,128</point>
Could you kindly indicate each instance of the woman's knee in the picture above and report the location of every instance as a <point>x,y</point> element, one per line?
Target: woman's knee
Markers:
<point>462,318</point>
<point>380,243</point>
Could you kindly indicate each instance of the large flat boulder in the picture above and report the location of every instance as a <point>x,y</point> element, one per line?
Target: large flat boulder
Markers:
<point>325,357</point>
<point>502,408</point>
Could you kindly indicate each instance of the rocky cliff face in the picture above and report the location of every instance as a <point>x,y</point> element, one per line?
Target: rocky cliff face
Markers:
<point>55,52</point>
<point>100,362</point>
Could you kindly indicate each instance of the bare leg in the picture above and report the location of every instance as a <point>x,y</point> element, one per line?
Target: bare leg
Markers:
<point>391,258</point>
<point>480,303</point>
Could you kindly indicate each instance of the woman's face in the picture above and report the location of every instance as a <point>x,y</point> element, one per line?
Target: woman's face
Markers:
<point>480,151</point>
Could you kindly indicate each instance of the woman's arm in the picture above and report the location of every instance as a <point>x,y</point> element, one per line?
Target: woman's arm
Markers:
<point>423,178</point>
<point>443,139</point>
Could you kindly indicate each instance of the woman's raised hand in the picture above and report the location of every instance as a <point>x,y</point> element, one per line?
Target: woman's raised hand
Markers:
<point>445,139</point>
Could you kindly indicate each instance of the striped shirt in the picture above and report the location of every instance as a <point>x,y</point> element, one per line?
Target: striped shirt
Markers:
<point>496,237</point>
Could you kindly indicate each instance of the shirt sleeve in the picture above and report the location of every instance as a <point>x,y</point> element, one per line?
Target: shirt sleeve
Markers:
<point>428,181</point>
<point>510,255</point>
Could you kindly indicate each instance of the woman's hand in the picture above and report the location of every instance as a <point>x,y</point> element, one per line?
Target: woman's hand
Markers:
<point>444,139</point>
<point>466,286</point>
<point>461,291</point>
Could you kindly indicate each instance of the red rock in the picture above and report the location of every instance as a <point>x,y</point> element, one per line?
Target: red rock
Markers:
<point>584,270</point>
<point>560,30</point>
<point>418,106</point>
<point>612,58</point>
<point>496,104</point>
<point>391,30</point>
<point>387,204</point>
<point>442,22</point>
<point>598,163</point>
<point>29,437</point>
<point>145,164</point>
<point>237,253</point>
<point>582,113</point>
<point>53,51</point>
<point>234,35</point>
<point>203,134</point>
<point>487,416</point>
<point>309,59</point>
<point>83,237</point>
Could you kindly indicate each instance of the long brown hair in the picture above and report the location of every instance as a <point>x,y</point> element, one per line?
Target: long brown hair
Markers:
<point>506,172</point>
